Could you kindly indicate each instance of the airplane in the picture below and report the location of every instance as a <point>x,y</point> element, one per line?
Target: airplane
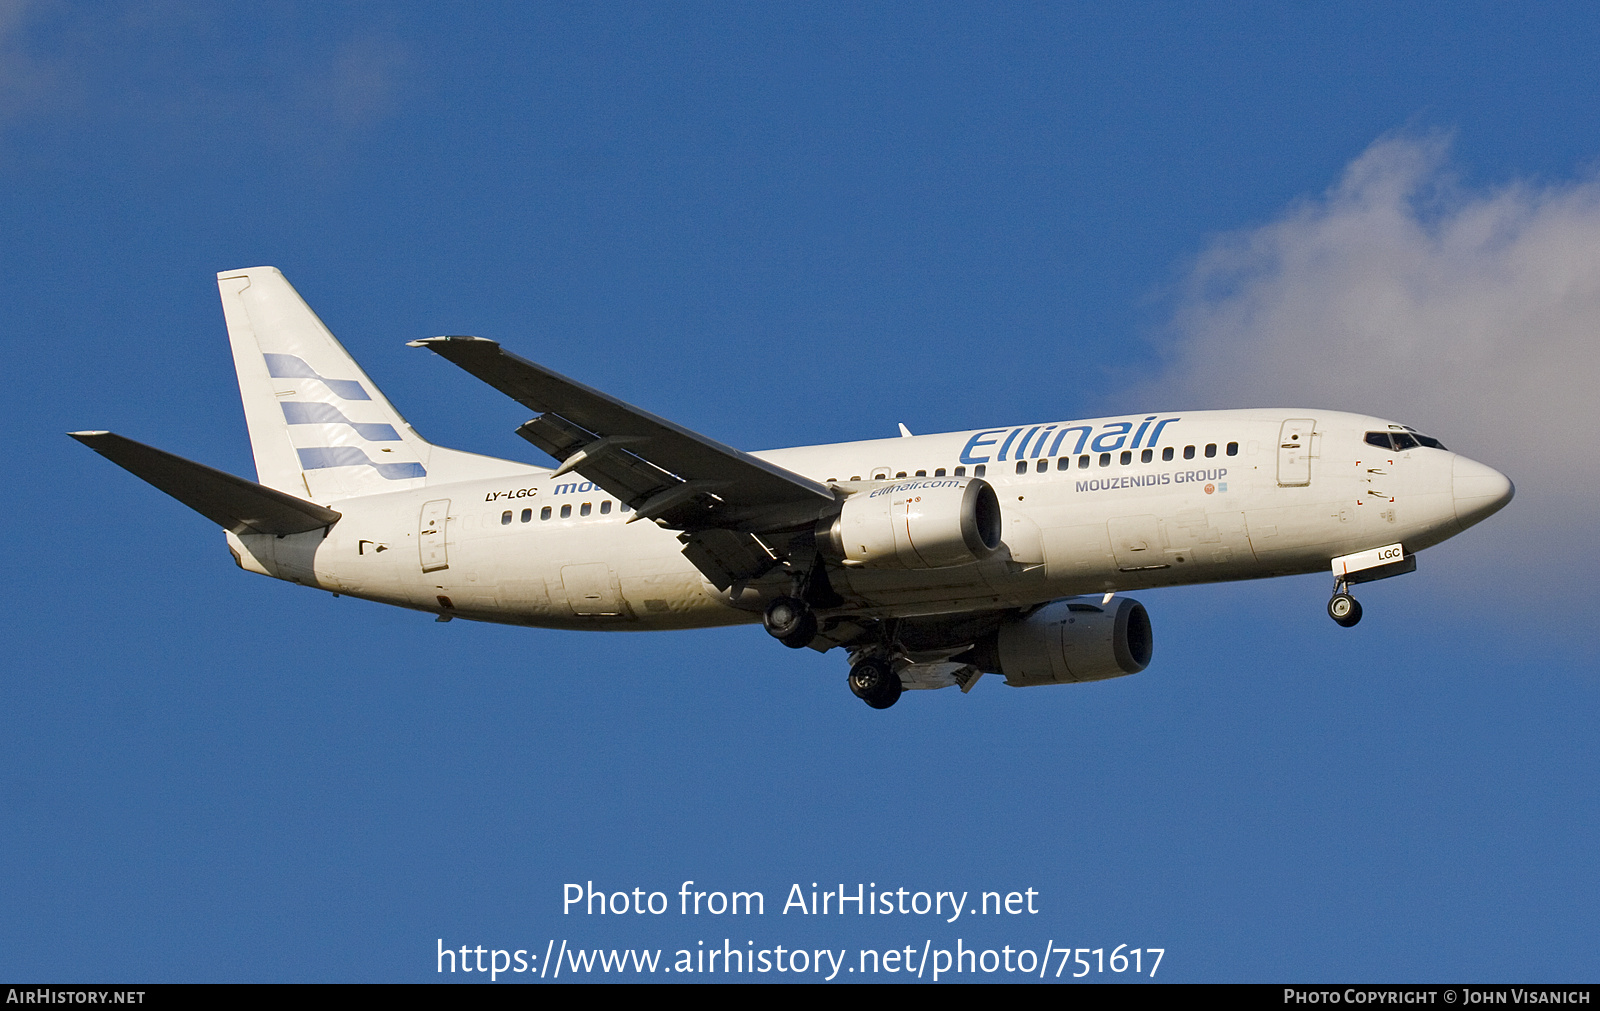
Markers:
<point>931,560</point>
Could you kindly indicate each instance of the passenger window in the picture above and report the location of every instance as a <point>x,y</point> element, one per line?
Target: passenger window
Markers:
<point>939,472</point>
<point>1188,452</point>
<point>1211,450</point>
<point>1127,457</point>
<point>566,512</point>
<point>1105,459</point>
<point>1233,449</point>
<point>922,473</point>
<point>855,477</point>
<point>1022,466</point>
<point>544,513</point>
<point>605,508</point>
<point>979,470</point>
<point>505,517</point>
<point>1064,463</point>
<point>961,472</point>
<point>583,510</point>
<point>527,515</point>
<point>900,474</point>
<point>623,507</point>
<point>880,477</point>
<point>1147,456</point>
<point>1083,462</point>
<point>1166,454</point>
<point>1042,466</point>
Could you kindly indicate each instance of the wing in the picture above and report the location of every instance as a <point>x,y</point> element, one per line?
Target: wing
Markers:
<point>718,496</point>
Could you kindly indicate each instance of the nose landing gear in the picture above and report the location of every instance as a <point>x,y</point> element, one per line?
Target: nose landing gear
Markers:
<point>873,682</point>
<point>1344,609</point>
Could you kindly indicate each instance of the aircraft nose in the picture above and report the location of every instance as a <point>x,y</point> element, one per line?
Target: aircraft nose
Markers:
<point>1479,491</point>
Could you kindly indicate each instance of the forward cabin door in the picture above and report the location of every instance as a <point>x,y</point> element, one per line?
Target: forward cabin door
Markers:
<point>1294,452</point>
<point>430,535</point>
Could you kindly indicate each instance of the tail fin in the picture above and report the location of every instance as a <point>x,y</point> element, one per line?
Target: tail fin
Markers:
<point>318,425</point>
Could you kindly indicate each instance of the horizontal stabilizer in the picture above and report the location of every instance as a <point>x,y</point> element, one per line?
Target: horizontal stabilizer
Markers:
<point>241,506</point>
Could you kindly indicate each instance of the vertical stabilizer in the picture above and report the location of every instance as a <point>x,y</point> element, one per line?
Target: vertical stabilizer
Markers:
<point>318,425</point>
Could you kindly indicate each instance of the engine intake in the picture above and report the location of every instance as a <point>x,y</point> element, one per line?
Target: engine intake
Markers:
<point>922,523</point>
<point>1067,641</point>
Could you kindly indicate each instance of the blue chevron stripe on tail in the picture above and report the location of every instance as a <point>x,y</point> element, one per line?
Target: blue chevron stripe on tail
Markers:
<point>322,457</point>
<point>281,366</point>
<point>297,413</point>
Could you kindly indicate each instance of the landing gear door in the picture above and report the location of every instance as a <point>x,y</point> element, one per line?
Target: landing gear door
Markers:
<point>1294,452</point>
<point>431,535</point>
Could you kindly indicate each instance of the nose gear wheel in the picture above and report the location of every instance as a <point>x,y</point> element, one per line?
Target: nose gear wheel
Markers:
<point>1344,609</point>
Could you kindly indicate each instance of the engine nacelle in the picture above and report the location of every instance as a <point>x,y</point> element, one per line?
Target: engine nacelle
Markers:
<point>921,523</point>
<point>1068,641</point>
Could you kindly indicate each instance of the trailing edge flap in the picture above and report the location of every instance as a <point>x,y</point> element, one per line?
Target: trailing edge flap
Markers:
<point>726,557</point>
<point>240,506</point>
<point>664,471</point>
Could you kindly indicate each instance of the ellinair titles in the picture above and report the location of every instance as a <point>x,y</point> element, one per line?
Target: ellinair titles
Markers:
<point>930,560</point>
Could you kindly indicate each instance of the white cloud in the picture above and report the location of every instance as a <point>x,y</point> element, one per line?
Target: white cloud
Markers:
<point>192,82</point>
<point>360,85</point>
<point>27,81</point>
<point>1470,313</point>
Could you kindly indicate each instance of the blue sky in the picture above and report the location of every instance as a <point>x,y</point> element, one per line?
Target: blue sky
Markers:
<point>783,228</point>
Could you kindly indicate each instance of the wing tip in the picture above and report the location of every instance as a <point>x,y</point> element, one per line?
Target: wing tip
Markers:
<point>434,343</point>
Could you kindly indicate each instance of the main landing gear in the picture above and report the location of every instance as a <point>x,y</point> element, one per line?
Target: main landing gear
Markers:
<point>791,621</point>
<point>873,682</point>
<point>1343,608</point>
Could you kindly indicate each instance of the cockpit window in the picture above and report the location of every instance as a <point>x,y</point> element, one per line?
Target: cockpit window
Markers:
<point>1402,440</point>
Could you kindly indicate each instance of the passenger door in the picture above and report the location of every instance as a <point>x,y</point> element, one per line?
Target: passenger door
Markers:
<point>1294,452</point>
<point>431,535</point>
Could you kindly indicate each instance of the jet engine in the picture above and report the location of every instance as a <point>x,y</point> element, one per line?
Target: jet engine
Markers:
<point>922,523</point>
<point>1067,641</point>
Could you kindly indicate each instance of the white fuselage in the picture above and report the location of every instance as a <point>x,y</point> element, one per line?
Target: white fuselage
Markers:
<point>1107,504</point>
